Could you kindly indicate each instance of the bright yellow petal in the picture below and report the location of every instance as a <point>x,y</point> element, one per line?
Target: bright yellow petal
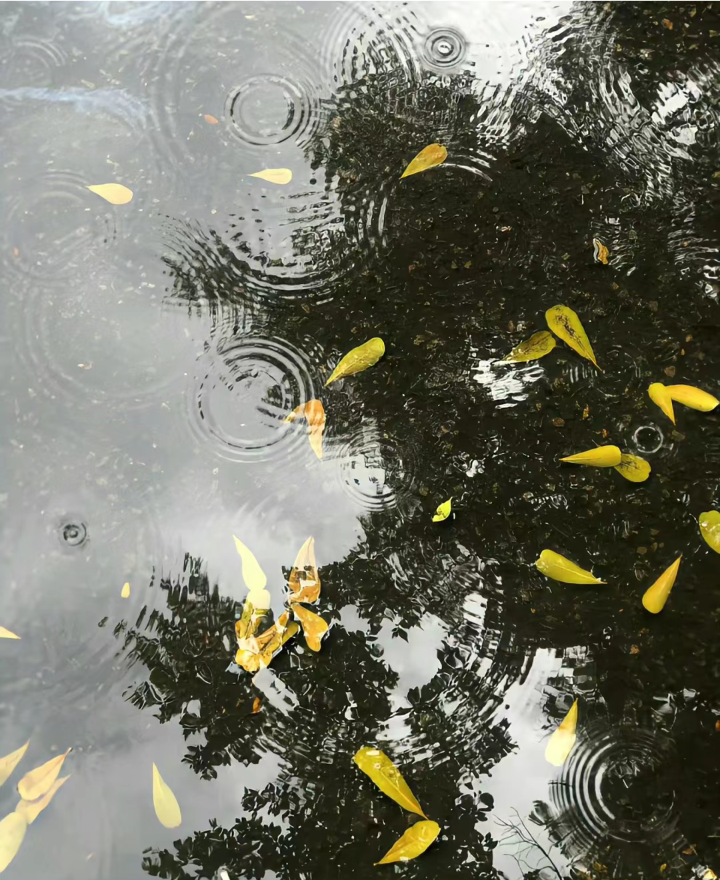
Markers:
<point>10,762</point>
<point>387,777</point>
<point>359,359</point>
<point>600,252</point>
<point>537,346</point>
<point>565,324</point>
<point>443,512</point>
<point>710,528</point>
<point>6,634</point>
<point>314,627</point>
<point>413,843</point>
<point>280,176</point>
<point>253,575</point>
<point>601,456</point>
<point>166,806</point>
<point>431,156</point>
<point>563,739</point>
<point>557,567</point>
<point>34,784</point>
<point>125,592</point>
<point>657,595</point>
<point>115,193</point>
<point>30,810</point>
<point>661,397</point>
<point>633,468</point>
<point>12,833</point>
<point>695,398</point>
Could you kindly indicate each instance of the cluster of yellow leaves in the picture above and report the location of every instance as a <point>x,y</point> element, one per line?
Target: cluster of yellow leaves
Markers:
<point>632,467</point>
<point>566,325</point>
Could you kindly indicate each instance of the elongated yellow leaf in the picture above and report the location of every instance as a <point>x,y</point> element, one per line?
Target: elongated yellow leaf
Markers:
<point>253,575</point>
<point>601,456</point>
<point>314,413</point>
<point>657,595</point>
<point>30,810</point>
<point>559,568</point>
<point>10,762</point>
<point>710,528</point>
<point>565,324</point>
<point>358,359</point>
<point>6,634</point>
<point>600,252</point>
<point>280,176</point>
<point>304,580</point>
<point>661,397</point>
<point>563,739</point>
<point>115,193</point>
<point>693,397</point>
<point>431,156</point>
<point>413,843</point>
<point>443,511</point>
<point>387,777</point>
<point>34,784</point>
<point>633,468</point>
<point>125,592</point>
<point>314,627</point>
<point>12,832</point>
<point>532,349</point>
<point>166,806</point>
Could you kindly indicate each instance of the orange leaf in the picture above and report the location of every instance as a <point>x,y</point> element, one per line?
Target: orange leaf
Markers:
<point>314,413</point>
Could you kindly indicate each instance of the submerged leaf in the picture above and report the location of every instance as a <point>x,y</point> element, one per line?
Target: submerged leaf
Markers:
<point>12,832</point>
<point>565,324</point>
<point>600,252</point>
<point>661,397</point>
<point>559,568</point>
<point>115,193</point>
<point>601,456</point>
<point>387,777</point>
<point>431,156</point>
<point>656,596</point>
<point>304,580</point>
<point>280,176</point>
<point>253,575</point>
<point>537,346</point>
<point>443,511</point>
<point>166,806</point>
<point>10,762</point>
<point>34,784</point>
<point>358,359</point>
<point>710,528</point>
<point>563,739</point>
<point>693,397</point>
<point>6,634</point>
<point>633,468</point>
<point>314,627</point>
<point>125,592</point>
<point>314,413</point>
<point>30,810</point>
<point>413,843</point>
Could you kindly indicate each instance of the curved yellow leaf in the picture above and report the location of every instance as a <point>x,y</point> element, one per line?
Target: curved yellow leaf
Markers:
<point>12,832</point>
<point>656,596</point>
<point>304,580</point>
<point>314,627</point>
<point>10,762</point>
<point>280,176</point>
<point>314,413</point>
<point>710,528</point>
<point>6,634</point>
<point>251,616</point>
<point>30,810</point>
<point>166,806</point>
<point>600,252</point>
<point>253,575</point>
<point>358,359</point>
<point>563,739</point>
<point>633,468</point>
<point>537,346</point>
<point>431,156</point>
<point>601,456</point>
<point>559,568</point>
<point>660,396</point>
<point>413,843</point>
<point>34,784</point>
<point>387,777</point>
<point>443,511</point>
<point>693,397</point>
<point>115,193</point>
<point>125,592</point>
<point>565,324</point>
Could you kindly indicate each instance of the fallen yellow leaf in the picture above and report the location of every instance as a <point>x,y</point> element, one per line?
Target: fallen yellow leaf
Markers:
<point>314,413</point>
<point>40,780</point>
<point>600,252</point>
<point>537,346</point>
<point>387,777</point>
<point>253,575</point>
<point>565,324</point>
<point>280,176</point>
<point>633,468</point>
<point>314,627</point>
<point>358,359</point>
<point>559,568</point>
<point>693,397</point>
<point>563,739</point>
<point>30,810</point>
<point>431,156</point>
<point>710,528</point>
<point>125,592</point>
<point>166,806</point>
<point>413,843</point>
<point>304,580</point>
<point>443,511</point>
<point>656,596</point>
<point>115,193</point>
<point>601,456</point>
<point>6,634</point>
<point>660,396</point>
<point>211,120</point>
<point>256,652</point>
<point>10,762</point>
<point>12,832</point>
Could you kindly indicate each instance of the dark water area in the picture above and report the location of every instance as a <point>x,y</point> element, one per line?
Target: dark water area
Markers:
<point>151,352</point>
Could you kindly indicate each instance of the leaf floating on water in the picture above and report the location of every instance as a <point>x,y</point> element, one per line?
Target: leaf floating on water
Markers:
<point>253,575</point>
<point>166,806</point>
<point>602,456</point>
<point>358,359</point>
<point>304,580</point>
<point>115,193</point>
<point>314,627</point>
<point>37,782</point>
<point>431,156</point>
<point>633,468</point>
<point>256,652</point>
<point>210,119</point>
<point>413,843</point>
<point>565,324</point>
<point>559,568</point>
<point>656,596</point>
<point>537,346</point>
<point>280,176</point>
<point>125,593</point>
<point>563,739</point>
<point>6,634</point>
<point>314,413</point>
<point>710,528</point>
<point>443,511</point>
<point>30,810</point>
<point>10,762</point>
<point>693,397</point>
<point>661,397</point>
<point>600,252</point>
<point>12,833</point>
<point>387,777</point>
<point>251,617</point>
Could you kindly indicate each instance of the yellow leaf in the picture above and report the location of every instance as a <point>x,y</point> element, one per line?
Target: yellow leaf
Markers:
<point>125,593</point>
<point>693,397</point>
<point>30,810</point>
<point>431,156</point>
<point>211,120</point>
<point>661,396</point>
<point>710,528</point>
<point>6,634</point>
<point>314,627</point>
<point>253,575</point>
<point>600,252</point>
<point>559,568</point>
<point>413,843</point>
<point>35,783</point>
<point>358,359</point>
<point>256,652</point>
<point>256,706</point>
<point>259,599</point>
<point>565,324</point>
<point>633,468</point>
<point>563,739</point>
<point>601,456</point>
<point>251,617</point>
<point>12,832</point>
<point>115,193</point>
<point>314,413</point>
<point>537,346</point>
<point>387,777</point>
<point>304,580</point>
<point>10,762</point>
<point>443,511</point>
<point>280,176</point>
<point>657,595</point>
<point>166,806</point>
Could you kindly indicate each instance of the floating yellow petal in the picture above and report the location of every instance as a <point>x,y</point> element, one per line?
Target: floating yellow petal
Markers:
<point>37,782</point>
<point>253,575</point>
<point>693,397</point>
<point>12,832</point>
<point>387,777</point>
<point>314,627</point>
<point>280,176</point>
<point>413,843</point>
<point>563,739</point>
<point>115,193</point>
<point>125,593</point>
<point>358,359</point>
<point>431,156</point>
<point>565,324</point>
<point>304,580</point>
<point>537,346</point>
<point>601,456</point>
<point>30,810</point>
<point>166,806</point>
<point>710,528</point>
<point>600,252</point>
<point>6,634</point>
<point>559,568</point>
<point>256,652</point>
<point>314,413</point>
<point>657,595</point>
<point>661,397</point>
<point>443,511</point>
<point>633,468</point>
<point>10,762</point>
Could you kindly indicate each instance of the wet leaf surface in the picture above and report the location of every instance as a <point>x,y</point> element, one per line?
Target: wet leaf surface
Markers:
<point>601,456</point>
<point>430,157</point>
<point>537,346</point>
<point>557,567</point>
<point>563,739</point>
<point>566,325</point>
<point>359,359</point>
<point>413,843</point>
<point>115,193</point>
<point>387,777</point>
<point>656,596</point>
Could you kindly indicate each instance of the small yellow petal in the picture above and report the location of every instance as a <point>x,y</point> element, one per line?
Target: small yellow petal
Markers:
<point>537,346</point>
<point>660,396</point>
<point>125,594</point>
<point>557,567</point>
<point>601,456</point>
<point>115,193</point>
<point>563,739</point>
<point>430,157</point>
<point>693,397</point>
<point>358,359</point>
<point>633,468</point>
<point>656,596</point>
<point>280,176</point>
<point>710,528</point>
<point>166,806</point>
<point>443,511</point>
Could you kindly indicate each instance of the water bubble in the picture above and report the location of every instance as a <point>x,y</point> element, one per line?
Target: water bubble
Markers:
<point>73,533</point>
<point>648,439</point>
